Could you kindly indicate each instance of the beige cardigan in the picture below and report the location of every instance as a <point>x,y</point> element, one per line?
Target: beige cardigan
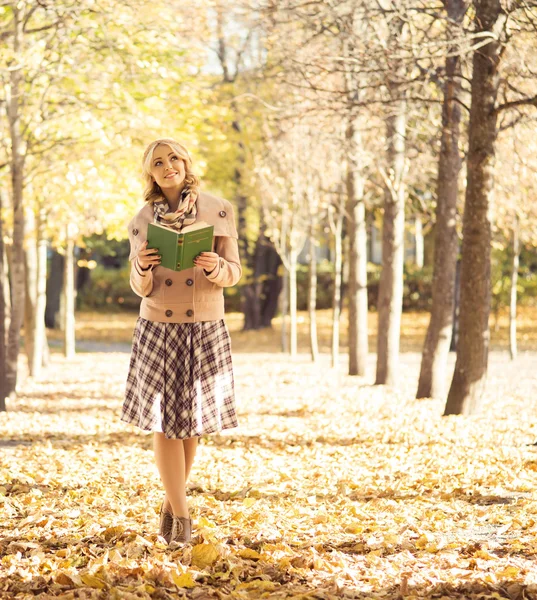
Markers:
<point>190,295</point>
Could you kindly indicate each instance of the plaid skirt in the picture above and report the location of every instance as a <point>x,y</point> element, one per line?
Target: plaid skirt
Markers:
<point>180,379</point>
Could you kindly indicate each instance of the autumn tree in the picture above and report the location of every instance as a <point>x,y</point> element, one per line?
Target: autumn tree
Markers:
<point>54,99</point>
<point>494,23</point>
<point>437,341</point>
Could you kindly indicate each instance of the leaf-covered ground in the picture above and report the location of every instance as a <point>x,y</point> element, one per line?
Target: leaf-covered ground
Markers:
<point>329,488</point>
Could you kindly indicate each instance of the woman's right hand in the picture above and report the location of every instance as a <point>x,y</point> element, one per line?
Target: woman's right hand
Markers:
<point>147,257</point>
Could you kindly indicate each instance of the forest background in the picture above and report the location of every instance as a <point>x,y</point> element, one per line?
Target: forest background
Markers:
<point>328,125</point>
<point>381,159</point>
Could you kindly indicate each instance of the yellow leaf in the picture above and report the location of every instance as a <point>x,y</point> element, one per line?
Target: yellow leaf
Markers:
<point>258,584</point>
<point>423,541</point>
<point>204,522</point>
<point>484,555</point>
<point>63,579</point>
<point>92,581</point>
<point>249,553</point>
<point>184,580</point>
<point>249,502</point>
<point>204,555</point>
<point>115,556</point>
<point>508,572</point>
<point>112,532</point>
<point>354,528</point>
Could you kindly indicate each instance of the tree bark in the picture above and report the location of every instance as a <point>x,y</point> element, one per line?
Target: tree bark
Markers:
<point>30,262</point>
<point>336,298</point>
<point>13,104</point>
<point>390,298</point>
<point>6,289</point>
<point>357,234</point>
<point>514,280</point>
<point>69,299</point>
<point>432,377</point>
<point>40,354</point>
<point>456,308</point>
<point>3,276</point>
<point>54,290</point>
<point>312,292</point>
<point>472,349</point>
<point>284,309</point>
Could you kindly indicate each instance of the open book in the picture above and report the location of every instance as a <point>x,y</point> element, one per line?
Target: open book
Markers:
<point>179,249</point>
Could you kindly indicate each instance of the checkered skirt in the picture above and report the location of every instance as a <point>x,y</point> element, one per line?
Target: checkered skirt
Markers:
<point>180,379</point>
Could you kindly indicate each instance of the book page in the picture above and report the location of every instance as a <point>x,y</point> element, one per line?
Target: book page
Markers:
<point>195,226</point>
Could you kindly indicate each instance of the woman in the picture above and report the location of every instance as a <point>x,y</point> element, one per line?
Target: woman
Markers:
<point>180,382</point>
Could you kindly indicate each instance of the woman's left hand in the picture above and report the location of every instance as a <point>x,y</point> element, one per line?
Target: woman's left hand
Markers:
<point>207,260</point>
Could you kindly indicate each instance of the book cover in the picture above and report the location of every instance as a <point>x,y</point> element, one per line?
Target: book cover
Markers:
<point>178,249</point>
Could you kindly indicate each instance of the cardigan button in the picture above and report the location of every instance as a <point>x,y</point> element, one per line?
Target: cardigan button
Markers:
<point>189,312</point>
<point>189,282</point>
<point>222,213</point>
<point>134,232</point>
<point>169,313</point>
<point>168,281</point>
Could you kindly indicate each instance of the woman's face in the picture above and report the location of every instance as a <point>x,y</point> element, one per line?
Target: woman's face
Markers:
<point>167,168</point>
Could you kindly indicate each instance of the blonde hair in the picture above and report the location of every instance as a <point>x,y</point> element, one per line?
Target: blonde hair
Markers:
<point>152,190</point>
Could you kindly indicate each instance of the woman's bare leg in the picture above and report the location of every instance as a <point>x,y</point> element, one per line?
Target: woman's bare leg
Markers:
<point>170,460</point>
<point>190,445</point>
<point>189,449</point>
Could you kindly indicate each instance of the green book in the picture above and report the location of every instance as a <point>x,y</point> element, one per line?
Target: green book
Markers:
<point>179,249</point>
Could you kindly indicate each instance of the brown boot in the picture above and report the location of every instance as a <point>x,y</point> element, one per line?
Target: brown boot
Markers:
<point>181,530</point>
<point>165,523</point>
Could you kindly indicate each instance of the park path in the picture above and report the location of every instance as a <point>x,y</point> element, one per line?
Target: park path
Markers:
<point>330,487</point>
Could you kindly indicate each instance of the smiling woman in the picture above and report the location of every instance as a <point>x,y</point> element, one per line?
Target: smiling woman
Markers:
<point>180,383</point>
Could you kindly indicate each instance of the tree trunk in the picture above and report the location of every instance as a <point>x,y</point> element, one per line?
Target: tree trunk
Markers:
<point>69,299</point>
<point>54,291</point>
<point>293,300</point>
<point>432,377</point>
<point>13,100</point>
<point>357,234</point>
<point>6,289</point>
<point>3,276</point>
<point>336,298</point>
<point>30,262</point>
<point>40,354</point>
<point>472,349</point>
<point>514,279</point>
<point>284,309</point>
<point>46,350</point>
<point>456,308</point>
<point>390,298</point>
<point>312,293</point>
<point>272,283</point>
<point>249,288</point>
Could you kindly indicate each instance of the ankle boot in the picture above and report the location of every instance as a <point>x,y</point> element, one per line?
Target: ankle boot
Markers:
<point>181,530</point>
<point>165,523</point>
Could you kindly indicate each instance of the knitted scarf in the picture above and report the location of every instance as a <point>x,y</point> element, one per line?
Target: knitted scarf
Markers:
<point>184,215</point>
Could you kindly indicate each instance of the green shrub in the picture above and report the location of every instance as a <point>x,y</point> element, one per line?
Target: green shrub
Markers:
<point>108,289</point>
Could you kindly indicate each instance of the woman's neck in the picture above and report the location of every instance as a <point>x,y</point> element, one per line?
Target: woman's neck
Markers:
<point>173,197</point>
